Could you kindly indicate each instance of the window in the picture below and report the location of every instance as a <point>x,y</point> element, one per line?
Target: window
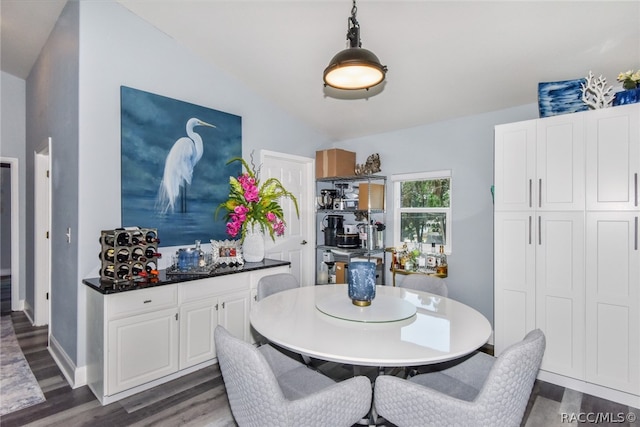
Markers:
<point>422,208</point>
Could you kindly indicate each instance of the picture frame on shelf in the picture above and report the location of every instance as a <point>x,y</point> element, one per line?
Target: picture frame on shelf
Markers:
<point>226,252</point>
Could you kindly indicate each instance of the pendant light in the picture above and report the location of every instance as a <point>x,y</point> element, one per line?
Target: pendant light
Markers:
<point>354,68</point>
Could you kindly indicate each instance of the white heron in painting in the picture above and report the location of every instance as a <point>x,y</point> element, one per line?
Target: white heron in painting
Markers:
<point>178,168</point>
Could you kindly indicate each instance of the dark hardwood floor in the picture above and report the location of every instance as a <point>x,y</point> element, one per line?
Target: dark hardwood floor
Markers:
<point>199,399</point>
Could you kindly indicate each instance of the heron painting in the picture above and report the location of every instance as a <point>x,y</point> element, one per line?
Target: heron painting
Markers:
<point>173,165</point>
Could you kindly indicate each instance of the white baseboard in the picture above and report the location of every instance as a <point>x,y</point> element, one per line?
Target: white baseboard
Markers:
<point>76,377</point>
<point>592,389</point>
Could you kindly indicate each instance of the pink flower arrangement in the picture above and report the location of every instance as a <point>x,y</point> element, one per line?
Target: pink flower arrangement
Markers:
<point>251,203</point>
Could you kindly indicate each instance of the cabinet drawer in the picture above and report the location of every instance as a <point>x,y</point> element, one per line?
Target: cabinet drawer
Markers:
<point>213,286</point>
<point>141,301</point>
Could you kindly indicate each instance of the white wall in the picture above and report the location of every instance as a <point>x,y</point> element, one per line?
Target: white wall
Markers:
<point>465,146</point>
<point>12,144</point>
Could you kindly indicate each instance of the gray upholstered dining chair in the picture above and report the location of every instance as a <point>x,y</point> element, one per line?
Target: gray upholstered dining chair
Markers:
<point>426,283</point>
<point>480,390</point>
<point>267,388</point>
<point>274,283</point>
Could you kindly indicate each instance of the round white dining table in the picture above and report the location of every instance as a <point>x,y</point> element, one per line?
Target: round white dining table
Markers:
<point>402,327</point>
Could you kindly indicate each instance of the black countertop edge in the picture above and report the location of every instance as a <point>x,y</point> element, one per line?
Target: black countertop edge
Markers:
<point>108,287</point>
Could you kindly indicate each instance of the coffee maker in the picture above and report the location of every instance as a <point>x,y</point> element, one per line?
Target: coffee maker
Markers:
<point>332,227</point>
<point>325,200</point>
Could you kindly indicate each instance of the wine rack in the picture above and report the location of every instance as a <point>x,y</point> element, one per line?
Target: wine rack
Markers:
<point>128,253</point>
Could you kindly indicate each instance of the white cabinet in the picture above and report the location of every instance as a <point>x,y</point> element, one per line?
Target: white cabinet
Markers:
<point>540,164</point>
<point>566,256</point>
<point>538,224</point>
<point>559,286</point>
<point>514,275</point>
<point>613,300</point>
<point>613,158</point>
<point>206,303</point>
<point>141,349</point>
<point>141,338</point>
<point>197,321</point>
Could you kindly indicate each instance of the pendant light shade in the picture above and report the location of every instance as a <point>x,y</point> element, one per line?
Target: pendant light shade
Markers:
<point>355,67</point>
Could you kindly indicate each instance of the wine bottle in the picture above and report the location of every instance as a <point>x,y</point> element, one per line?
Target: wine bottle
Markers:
<point>150,252</point>
<point>108,255</point>
<point>123,271</point>
<point>122,239</point>
<point>137,268</point>
<point>108,239</point>
<point>109,271</point>
<point>151,268</point>
<point>152,237</point>
<point>123,255</point>
<point>137,238</point>
<point>138,255</point>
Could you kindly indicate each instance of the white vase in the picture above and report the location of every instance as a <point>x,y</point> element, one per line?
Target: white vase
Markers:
<point>253,245</point>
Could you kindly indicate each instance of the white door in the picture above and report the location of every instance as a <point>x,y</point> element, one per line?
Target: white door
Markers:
<point>515,160</point>
<point>613,300</point>
<point>613,158</point>
<point>141,348</point>
<point>560,290</point>
<point>198,320</point>
<point>514,248</point>
<point>42,263</point>
<point>559,181</point>
<point>234,314</point>
<point>296,245</point>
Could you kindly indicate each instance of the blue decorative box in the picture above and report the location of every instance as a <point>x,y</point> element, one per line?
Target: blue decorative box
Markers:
<point>362,282</point>
<point>630,96</point>
<point>561,97</point>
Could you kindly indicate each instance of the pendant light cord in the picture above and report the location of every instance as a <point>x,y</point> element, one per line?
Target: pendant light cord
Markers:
<point>353,32</point>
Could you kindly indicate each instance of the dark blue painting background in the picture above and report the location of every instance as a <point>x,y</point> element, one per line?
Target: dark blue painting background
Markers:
<point>151,124</point>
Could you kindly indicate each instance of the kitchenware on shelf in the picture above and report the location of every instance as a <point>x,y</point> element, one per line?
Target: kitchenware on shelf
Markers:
<point>350,228</point>
<point>348,240</point>
<point>326,198</point>
<point>332,226</point>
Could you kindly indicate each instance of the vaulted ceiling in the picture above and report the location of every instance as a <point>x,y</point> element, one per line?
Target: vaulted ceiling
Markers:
<point>446,58</point>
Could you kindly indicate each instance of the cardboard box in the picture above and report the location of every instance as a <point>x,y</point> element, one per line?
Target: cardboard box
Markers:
<point>341,272</point>
<point>335,162</point>
<point>375,191</point>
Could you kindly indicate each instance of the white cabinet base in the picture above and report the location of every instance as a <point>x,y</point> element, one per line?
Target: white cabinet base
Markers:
<point>105,400</point>
<point>590,388</point>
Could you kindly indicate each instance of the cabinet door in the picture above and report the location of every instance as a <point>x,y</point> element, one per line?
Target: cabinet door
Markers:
<point>613,300</point>
<point>514,277</point>
<point>613,158</point>
<point>234,314</point>
<point>198,320</point>
<point>514,166</point>
<point>141,349</point>
<point>560,290</point>
<point>559,182</point>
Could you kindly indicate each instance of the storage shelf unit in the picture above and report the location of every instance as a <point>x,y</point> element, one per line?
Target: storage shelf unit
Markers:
<point>361,215</point>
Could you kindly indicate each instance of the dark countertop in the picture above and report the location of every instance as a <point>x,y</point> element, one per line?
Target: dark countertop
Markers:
<point>109,287</point>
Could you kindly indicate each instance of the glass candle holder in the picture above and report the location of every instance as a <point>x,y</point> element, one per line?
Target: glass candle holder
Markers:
<point>362,282</point>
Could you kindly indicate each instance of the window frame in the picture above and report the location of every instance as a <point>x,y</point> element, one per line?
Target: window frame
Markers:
<point>397,179</point>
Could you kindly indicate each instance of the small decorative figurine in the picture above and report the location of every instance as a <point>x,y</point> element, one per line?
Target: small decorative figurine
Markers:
<point>371,166</point>
<point>595,93</point>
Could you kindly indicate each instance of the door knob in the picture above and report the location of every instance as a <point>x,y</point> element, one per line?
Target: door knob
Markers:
<point>304,242</point>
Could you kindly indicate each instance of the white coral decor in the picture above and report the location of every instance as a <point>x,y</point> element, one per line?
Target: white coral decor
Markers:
<point>595,93</point>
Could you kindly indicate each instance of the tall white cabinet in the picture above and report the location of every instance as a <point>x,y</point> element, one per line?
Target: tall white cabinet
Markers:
<point>566,246</point>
